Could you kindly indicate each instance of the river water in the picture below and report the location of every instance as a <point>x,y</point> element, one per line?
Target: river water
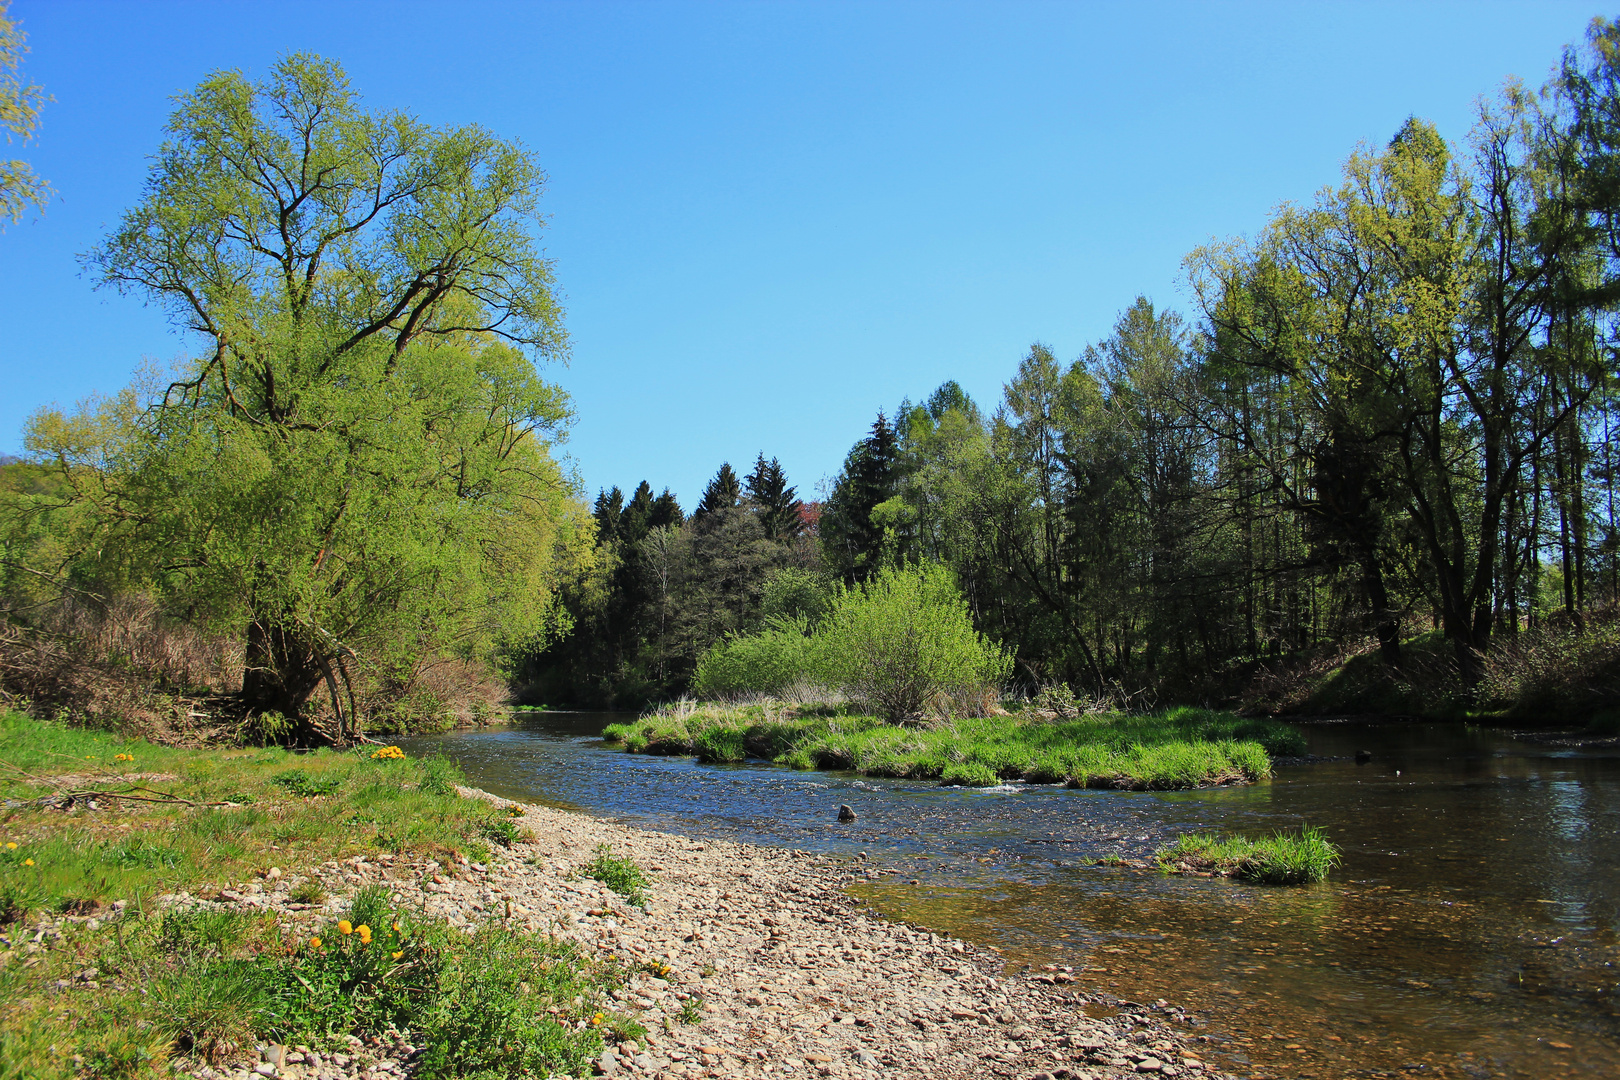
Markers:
<point>1471,931</point>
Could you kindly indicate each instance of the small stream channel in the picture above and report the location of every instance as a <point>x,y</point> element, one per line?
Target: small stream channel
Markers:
<point>1471,931</point>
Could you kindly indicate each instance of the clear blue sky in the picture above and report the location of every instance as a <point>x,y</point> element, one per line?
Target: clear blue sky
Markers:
<point>771,219</point>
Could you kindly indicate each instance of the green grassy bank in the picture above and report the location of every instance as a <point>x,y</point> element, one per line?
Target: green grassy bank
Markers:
<point>114,988</point>
<point>1178,748</point>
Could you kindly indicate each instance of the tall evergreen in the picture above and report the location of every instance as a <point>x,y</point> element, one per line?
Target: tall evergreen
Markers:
<point>637,516</point>
<point>851,539</point>
<point>775,503</point>
<point>666,513</point>
<point>608,513</point>
<point>723,492</point>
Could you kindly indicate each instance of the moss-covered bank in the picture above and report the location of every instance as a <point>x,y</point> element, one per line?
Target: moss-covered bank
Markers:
<point>1178,748</point>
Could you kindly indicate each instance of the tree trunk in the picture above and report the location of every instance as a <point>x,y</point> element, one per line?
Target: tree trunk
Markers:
<point>279,675</point>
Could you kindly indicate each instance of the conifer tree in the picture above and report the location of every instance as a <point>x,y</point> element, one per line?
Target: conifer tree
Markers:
<point>636,518</point>
<point>775,503</point>
<point>609,509</point>
<point>723,492</point>
<point>666,513</point>
<point>852,541</point>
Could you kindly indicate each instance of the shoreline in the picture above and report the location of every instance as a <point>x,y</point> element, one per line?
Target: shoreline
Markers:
<point>794,978</point>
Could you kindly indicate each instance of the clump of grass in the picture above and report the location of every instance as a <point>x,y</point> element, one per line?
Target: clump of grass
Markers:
<point>306,786</point>
<point>620,874</point>
<point>1178,748</point>
<point>503,831</point>
<point>308,891</point>
<point>969,774</point>
<point>1280,859</point>
<point>691,1010</point>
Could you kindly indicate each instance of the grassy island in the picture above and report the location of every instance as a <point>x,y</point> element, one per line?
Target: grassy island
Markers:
<point>1280,859</point>
<point>1177,748</point>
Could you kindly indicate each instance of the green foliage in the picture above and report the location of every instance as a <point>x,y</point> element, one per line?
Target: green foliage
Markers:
<point>724,492</point>
<point>620,874</point>
<point>853,543</point>
<point>1279,859</point>
<point>903,641</point>
<point>1178,748</point>
<point>796,593</point>
<point>306,786</point>
<point>774,502</point>
<point>20,101</point>
<point>764,662</point>
<point>353,474</point>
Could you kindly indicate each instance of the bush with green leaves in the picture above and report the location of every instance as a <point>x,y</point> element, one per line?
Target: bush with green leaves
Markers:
<point>903,642</point>
<point>765,663</point>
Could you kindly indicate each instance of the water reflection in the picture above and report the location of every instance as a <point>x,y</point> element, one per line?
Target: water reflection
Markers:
<point>1470,932</point>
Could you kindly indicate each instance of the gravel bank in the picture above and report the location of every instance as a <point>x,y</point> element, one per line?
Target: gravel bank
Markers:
<point>794,980</point>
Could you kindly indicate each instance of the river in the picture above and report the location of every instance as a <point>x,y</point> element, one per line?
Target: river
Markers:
<point>1470,932</point>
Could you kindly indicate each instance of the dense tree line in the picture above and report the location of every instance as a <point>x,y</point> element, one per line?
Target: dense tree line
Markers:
<point>1390,413</point>
<point>660,587</point>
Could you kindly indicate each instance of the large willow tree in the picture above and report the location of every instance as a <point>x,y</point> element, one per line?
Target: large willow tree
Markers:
<point>353,474</point>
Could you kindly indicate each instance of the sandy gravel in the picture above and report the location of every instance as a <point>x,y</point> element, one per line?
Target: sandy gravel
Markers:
<point>794,979</point>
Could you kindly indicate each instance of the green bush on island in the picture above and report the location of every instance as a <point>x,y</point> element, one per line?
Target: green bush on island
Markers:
<point>904,639</point>
<point>767,662</point>
<point>902,643</point>
<point>1178,748</point>
<point>1279,859</point>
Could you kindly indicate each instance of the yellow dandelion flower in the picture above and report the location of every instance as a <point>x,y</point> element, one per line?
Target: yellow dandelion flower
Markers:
<point>314,942</point>
<point>397,955</point>
<point>396,928</point>
<point>28,862</point>
<point>11,845</point>
<point>364,932</point>
<point>345,927</point>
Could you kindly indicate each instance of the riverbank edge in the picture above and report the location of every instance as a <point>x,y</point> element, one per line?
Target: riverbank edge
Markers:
<point>754,962</point>
<point>801,980</point>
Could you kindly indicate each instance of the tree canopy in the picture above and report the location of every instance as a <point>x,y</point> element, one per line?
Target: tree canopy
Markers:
<point>20,101</point>
<point>353,474</point>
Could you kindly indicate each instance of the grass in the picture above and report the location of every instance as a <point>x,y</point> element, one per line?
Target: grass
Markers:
<point>1279,859</point>
<point>1178,748</point>
<point>620,874</point>
<point>125,996</point>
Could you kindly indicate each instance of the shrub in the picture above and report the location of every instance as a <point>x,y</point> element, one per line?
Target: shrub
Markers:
<point>903,641</point>
<point>1057,699</point>
<point>763,663</point>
